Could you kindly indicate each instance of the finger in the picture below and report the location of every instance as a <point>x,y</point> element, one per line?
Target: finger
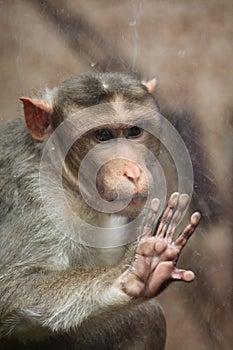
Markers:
<point>167,215</point>
<point>182,205</point>
<point>182,275</point>
<point>151,217</point>
<point>188,231</point>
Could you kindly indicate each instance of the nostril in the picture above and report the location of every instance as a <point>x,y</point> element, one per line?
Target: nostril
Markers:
<point>133,173</point>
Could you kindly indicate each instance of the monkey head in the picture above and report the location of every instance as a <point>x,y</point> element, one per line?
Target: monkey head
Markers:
<point>108,163</point>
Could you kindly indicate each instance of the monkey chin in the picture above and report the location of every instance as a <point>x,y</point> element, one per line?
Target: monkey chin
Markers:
<point>134,208</point>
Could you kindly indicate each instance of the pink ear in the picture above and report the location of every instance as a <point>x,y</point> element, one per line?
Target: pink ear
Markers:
<point>150,85</point>
<point>37,116</point>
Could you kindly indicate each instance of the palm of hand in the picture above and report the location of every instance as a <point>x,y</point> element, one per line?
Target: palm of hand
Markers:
<point>156,255</point>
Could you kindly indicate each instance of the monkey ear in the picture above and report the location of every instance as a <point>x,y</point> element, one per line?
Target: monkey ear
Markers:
<point>37,115</point>
<point>150,85</point>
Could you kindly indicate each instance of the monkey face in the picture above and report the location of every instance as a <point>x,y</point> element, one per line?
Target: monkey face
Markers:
<point>117,169</point>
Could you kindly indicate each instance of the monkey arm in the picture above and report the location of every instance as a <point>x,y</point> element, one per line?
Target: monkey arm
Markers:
<point>76,294</point>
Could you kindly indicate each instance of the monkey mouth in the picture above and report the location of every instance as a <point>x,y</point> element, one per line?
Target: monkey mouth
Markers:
<point>132,206</point>
<point>114,196</point>
<point>139,197</point>
<point>129,199</point>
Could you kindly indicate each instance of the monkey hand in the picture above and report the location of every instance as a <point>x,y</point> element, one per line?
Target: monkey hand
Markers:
<point>156,255</point>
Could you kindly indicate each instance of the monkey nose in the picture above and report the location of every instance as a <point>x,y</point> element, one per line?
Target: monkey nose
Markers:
<point>132,172</point>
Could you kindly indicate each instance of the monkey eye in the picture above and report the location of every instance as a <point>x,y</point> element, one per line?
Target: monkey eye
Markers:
<point>103,135</point>
<point>135,131</point>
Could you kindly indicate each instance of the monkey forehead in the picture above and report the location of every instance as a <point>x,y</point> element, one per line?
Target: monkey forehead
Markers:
<point>124,110</point>
<point>115,115</point>
<point>123,121</point>
<point>125,115</point>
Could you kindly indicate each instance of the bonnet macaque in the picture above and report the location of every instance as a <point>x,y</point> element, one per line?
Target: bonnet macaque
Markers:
<point>56,290</point>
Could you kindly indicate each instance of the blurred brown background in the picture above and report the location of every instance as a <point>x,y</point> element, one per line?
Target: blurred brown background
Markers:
<point>187,45</point>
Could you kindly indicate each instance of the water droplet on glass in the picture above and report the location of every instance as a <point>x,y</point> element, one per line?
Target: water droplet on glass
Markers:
<point>181,53</point>
<point>132,23</point>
